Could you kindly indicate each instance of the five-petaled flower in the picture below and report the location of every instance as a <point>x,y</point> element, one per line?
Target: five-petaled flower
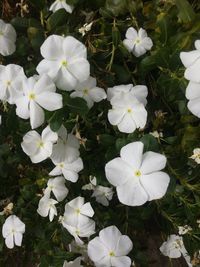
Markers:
<point>7,38</point>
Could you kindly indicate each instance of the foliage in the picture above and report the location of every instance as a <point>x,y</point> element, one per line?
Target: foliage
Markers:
<point>173,26</point>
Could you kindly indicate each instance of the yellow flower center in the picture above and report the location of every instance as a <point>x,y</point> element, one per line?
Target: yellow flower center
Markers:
<point>31,96</point>
<point>64,63</point>
<point>77,211</point>
<point>61,165</point>
<point>137,41</point>
<point>129,110</point>
<point>77,232</point>
<point>111,253</point>
<point>137,173</point>
<point>8,83</point>
<point>1,33</point>
<point>40,144</point>
<point>85,91</point>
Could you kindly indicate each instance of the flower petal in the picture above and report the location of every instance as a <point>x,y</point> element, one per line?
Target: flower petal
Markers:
<point>124,246</point>
<point>115,116</point>
<point>80,68</point>
<point>194,106</point>
<point>155,184</point>
<point>118,171</point>
<point>18,239</point>
<point>36,115</point>
<point>127,124</point>
<point>131,33</point>
<point>189,58</point>
<point>96,249</point>
<point>192,72</point>
<point>52,47</point>
<point>132,154</point>
<point>22,109</point>
<point>193,90</point>
<point>152,162</point>
<point>50,101</point>
<point>122,261</point>
<point>110,236</point>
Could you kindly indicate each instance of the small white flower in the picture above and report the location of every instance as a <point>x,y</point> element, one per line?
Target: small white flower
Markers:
<point>196,155</point>
<point>137,176</point>
<point>174,248</point>
<point>127,113</point>
<point>13,230</point>
<point>58,4</point>
<point>89,91</point>
<point>11,78</point>
<point>84,228</point>
<point>193,95</point>
<point>65,61</point>
<point>137,42</point>
<point>191,60</point>
<point>57,186</point>
<point>110,248</point>
<point>77,211</point>
<point>86,28</point>
<point>37,147</point>
<point>68,168</point>
<point>74,263</point>
<point>67,146</point>
<point>38,93</point>
<point>182,230</point>
<point>103,194</point>
<point>7,39</point>
<point>139,91</point>
<point>91,185</point>
<point>47,207</point>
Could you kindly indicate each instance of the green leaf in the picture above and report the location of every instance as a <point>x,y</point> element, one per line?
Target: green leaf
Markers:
<point>56,120</point>
<point>186,12</point>
<point>150,143</point>
<point>116,37</point>
<point>57,19</point>
<point>76,105</point>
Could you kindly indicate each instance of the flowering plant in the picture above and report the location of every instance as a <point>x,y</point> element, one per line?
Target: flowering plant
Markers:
<point>99,133</point>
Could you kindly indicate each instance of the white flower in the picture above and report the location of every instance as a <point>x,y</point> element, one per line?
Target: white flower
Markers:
<point>11,78</point>
<point>74,263</point>
<point>67,146</point>
<point>64,61</point>
<point>58,4</point>
<point>139,91</point>
<point>137,42</point>
<point>7,39</point>
<point>182,230</point>
<point>103,194</point>
<point>127,113</point>
<point>86,28</point>
<point>77,219</point>
<point>193,95</point>
<point>77,211</point>
<point>13,230</point>
<point>89,91</point>
<point>191,60</point>
<point>84,228</point>
<point>37,147</point>
<point>57,186</point>
<point>47,207</point>
<point>69,169</point>
<point>137,176</point>
<point>110,248</point>
<point>196,155</point>
<point>174,248</point>
<point>38,93</point>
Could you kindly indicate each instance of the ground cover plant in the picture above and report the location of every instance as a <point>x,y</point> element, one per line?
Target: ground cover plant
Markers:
<point>100,133</point>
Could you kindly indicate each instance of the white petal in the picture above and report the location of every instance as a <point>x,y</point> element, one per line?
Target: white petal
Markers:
<point>18,239</point>
<point>194,106</point>
<point>97,94</point>
<point>10,241</point>
<point>131,33</point>
<point>7,47</point>
<point>129,44</point>
<point>36,115</point>
<point>80,68</point>
<point>189,58</point>
<point>142,33</point>
<point>123,261</point>
<point>115,116</point>
<point>44,84</point>
<point>77,202</point>
<point>48,135</point>
<point>139,115</point>
<point>40,156</point>
<point>70,175</point>
<point>22,109</point>
<point>52,47</point>
<point>50,101</point>
<point>65,80</point>
<point>56,171</point>
<point>124,246</point>
<point>127,124</point>
<point>96,249</point>
<point>73,48</point>
<point>132,193</point>
<point>132,154</point>
<point>109,236</point>
<point>197,44</point>
<point>192,72</point>
<point>50,67</point>
<point>147,43</point>
<point>140,92</point>
<point>193,90</point>
<point>152,162</point>
<point>139,50</point>
<point>118,171</point>
<point>87,210</point>
<point>155,184</point>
